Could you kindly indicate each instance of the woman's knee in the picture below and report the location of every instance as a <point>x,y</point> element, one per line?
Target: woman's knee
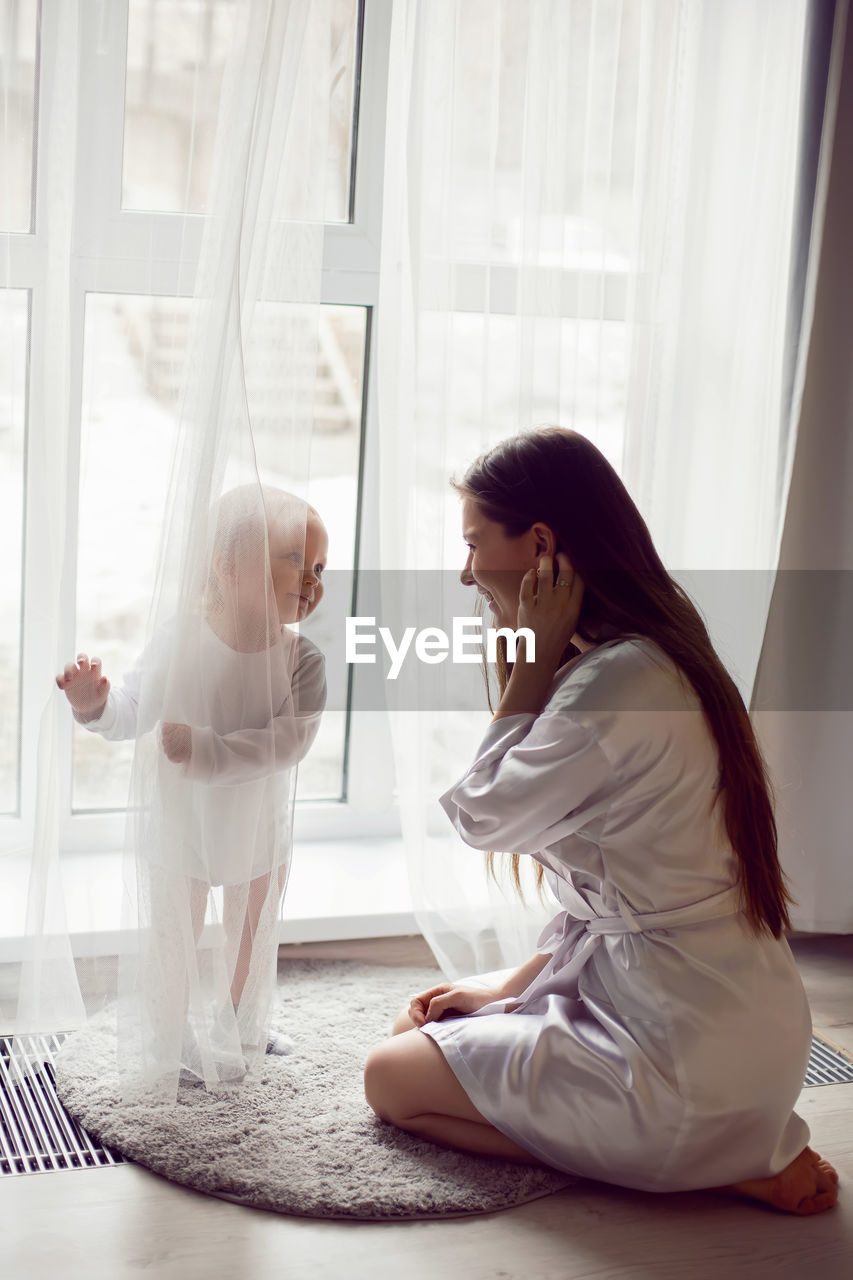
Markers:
<point>380,1073</point>
<point>402,1023</point>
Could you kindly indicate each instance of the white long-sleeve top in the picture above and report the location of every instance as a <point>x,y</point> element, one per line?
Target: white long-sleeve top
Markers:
<point>224,814</point>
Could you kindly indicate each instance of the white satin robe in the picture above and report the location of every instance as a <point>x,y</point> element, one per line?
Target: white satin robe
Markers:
<point>664,1044</point>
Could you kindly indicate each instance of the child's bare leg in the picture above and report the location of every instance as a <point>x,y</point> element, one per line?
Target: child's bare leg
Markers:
<point>247,921</point>
<point>246,928</point>
<point>177,906</point>
<point>809,1184</point>
<point>199,892</point>
<point>171,956</point>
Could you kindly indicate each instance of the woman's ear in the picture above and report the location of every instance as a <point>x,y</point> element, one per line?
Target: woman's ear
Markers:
<point>545,542</point>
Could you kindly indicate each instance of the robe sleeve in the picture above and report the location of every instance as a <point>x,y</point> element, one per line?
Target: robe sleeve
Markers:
<point>248,754</point>
<point>534,780</point>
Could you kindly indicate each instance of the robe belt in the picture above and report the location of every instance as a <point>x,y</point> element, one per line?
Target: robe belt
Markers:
<point>573,939</point>
<point>727,903</point>
<point>583,933</point>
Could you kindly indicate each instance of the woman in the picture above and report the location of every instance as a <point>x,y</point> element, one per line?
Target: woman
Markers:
<point>660,1036</point>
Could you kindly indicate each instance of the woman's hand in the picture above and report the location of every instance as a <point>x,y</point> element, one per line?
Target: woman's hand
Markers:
<point>448,997</point>
<point>550,603</point>
<point>177,742</point>
<point>551,610</point>
<point>85,687</point>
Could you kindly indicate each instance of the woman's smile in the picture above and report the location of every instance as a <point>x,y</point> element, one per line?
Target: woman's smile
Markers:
<point>496,563</point>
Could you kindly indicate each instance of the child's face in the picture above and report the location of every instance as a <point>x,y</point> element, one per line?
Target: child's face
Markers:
<point>297,561</point>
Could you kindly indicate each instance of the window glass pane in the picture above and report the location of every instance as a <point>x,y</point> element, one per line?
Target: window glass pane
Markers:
<point>584,203</point>
<point>14,325</point>
<point>18,57</point>
<point>176,51</point>
<point>135,351</point>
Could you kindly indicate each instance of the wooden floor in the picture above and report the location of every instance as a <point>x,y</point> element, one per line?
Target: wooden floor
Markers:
<point>109,1224</point>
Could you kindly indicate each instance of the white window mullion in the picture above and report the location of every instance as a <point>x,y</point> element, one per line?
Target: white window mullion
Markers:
<point>353,249</point>
<point>370,145</point>
<point>351,275</point>
<point>103,42</point>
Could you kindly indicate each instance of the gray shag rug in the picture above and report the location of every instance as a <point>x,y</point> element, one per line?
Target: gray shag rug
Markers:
<point>298,1138</point>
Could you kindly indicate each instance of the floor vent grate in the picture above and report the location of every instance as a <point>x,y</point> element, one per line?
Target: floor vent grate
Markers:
<point>38,1136</point>
<point>828,1065</point>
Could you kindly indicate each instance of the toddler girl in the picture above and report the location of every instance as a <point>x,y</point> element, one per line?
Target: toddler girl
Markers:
<point>224,702</point>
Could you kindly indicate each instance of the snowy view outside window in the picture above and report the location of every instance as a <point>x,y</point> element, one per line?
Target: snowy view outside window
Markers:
<point>18,48</point>
<point>175,57</point>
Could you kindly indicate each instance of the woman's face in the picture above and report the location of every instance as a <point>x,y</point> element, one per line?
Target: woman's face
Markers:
<point>497,563</point>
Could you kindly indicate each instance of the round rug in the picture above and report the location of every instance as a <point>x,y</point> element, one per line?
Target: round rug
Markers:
<point>298,1138</point>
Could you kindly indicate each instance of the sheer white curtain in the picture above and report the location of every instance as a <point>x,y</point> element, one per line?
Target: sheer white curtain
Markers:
<point>588,221</point>
<point>217,658</point>
<point>49,989</point>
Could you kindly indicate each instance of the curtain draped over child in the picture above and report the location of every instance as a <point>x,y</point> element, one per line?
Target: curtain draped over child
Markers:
<point>226,696</point>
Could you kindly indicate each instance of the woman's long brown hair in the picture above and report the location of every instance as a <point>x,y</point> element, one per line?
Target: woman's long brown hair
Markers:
<point>560,478</point>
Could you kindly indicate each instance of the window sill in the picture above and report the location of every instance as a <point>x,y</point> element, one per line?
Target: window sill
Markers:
<point>338,890</point>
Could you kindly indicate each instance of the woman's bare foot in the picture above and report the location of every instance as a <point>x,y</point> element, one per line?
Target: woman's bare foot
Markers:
<point>808,1184</point>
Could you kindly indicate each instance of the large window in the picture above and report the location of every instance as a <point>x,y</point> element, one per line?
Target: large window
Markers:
<point>538,297</point>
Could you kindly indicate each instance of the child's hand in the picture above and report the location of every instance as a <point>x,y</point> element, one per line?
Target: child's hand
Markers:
<point>84,687</point>
<point>177,742</point>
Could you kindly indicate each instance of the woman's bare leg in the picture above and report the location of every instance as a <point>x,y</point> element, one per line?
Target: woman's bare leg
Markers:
<point>414,1088</point>
<point>408,1083</point>
<point>402,1023</point>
